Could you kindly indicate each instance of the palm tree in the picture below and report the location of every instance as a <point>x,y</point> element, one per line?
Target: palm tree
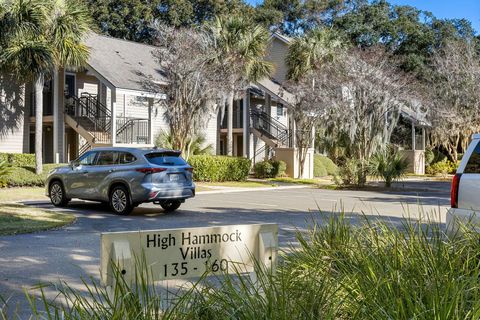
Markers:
<point>307,52</point>
<point>305,55</point>
<point>240,48</point>
<point>41,36</point>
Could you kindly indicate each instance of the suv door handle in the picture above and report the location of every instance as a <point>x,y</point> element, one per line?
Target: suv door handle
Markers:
<point>111,170</point>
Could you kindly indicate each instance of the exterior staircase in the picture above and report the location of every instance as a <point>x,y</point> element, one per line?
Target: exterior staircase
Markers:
<point>89,118</point>
<point>92,120</point>
<point>274,133</point>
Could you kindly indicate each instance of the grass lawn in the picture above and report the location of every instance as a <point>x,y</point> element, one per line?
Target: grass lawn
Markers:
<point>25,193</point>
<point>234,184</point>
<point>17,218</point>
<point>315,182</point>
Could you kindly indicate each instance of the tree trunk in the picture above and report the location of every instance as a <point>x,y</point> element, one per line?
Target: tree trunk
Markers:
<point>230,98</point>
<point>38,123</point>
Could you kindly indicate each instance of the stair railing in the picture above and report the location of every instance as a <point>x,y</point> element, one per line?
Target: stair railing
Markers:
<point>270,127</point>
<point>89,112</point>
<point>132,130</point>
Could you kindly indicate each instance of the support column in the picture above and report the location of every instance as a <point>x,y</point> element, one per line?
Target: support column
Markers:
<point>230,124</point>
<point>424,139</point>
<point>61,116</point>
<point>113,110</point>
<point>246,124</point>
<point>413,136</point>
<point>150,125</point>
<point>56,156</point>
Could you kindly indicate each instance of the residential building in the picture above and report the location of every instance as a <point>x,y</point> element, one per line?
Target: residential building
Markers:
<point>109,103</point>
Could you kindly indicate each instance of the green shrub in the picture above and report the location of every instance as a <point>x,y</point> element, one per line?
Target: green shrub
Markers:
<point>270,169</point>
<point>388,164</point>
<point>219,168</point>
<point>340,269</point>
<point>429,156</point>
<point>26,176</point>
<point>352,173</point>
<point>263,169</point>
<point>279,168</point>
<point>4,170</point>
<point>323,166</point>
<point>319,169</point>
<point>18,159</point>
<point>443,167</point>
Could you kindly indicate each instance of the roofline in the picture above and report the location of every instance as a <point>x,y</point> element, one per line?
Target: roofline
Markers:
<point>99,76</point>
<point>125,40</point>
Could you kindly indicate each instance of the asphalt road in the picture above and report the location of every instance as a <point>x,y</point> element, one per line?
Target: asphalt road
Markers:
<point>73,252</point>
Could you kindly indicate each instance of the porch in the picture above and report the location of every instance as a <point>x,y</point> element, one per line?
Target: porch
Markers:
<point>82,111</point>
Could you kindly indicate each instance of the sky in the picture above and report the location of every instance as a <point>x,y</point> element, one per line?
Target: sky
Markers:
<point>469,9</point>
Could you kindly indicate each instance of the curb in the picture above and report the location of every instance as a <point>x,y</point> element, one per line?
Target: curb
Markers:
<point>232,190</point>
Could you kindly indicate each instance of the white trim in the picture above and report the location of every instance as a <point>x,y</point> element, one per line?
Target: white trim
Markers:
<point>113,112</point>
<point>281,37</point>
<point>139,93</point>
<point>99,76</point>
<point>55,82</point>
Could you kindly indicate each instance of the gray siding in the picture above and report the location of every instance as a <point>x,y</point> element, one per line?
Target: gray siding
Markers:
<point>276,53</point>
<point>13,128</point>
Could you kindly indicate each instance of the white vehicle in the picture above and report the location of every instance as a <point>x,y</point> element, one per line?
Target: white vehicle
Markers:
<point>465,190</point>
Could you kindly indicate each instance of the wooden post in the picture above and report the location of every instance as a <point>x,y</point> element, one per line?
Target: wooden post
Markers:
<point>246,124</point>
<point>56,158</point>
<point>413,136</point>
<point>113,107</point>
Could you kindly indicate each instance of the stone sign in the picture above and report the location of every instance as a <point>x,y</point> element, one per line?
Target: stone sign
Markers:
<point>190,252</point>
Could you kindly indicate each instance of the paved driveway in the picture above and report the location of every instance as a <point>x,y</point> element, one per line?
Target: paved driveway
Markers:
<point>73,252</point>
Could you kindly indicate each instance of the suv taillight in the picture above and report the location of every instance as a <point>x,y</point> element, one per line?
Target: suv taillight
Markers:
<point>150,170</point>
<point>454,190</point>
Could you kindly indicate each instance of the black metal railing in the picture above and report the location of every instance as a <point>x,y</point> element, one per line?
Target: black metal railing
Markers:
<point>132,130</point>
<point>91,114</point>
<point>270,127</point>
<point>84,148</point>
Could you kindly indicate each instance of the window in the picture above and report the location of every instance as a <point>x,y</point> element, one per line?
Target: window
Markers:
<point>165,159</point>
<point>141,99</point>
<point>107,158</point>
<point>473,165</point>
<point>125,157</point>
<point>279,110</point>
<point>87,159</point>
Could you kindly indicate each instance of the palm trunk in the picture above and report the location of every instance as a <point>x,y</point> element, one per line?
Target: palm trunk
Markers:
<point>230,98</point>
<point>38,123</point>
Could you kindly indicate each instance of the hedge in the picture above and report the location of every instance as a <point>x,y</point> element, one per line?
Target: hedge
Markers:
<point>323,166</point>
<point>18,159</point>
<point>26,176</point>
<point>219,168</point>
<point>270,169</point>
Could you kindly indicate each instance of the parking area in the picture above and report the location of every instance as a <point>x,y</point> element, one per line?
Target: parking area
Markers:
<point>70,253</point>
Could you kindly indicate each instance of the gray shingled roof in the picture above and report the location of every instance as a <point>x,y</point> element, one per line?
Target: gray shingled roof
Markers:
<point>125,64</point>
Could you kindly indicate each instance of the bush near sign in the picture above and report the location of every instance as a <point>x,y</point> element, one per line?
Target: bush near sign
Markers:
<point>190,252</point>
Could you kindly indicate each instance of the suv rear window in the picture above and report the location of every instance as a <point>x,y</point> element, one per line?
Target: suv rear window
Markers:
<point>473,164</point>
<point>165,159</point>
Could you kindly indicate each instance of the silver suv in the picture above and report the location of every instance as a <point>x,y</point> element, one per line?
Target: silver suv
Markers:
<point>465,190</point>
<point>124,178</point>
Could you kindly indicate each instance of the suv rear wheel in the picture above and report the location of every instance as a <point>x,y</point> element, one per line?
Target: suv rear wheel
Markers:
<point>170,205</point>
<point>57,194</point>
<point>119,200</point>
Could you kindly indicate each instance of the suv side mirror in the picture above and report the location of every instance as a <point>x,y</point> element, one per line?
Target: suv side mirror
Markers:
<point>73,164</point>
